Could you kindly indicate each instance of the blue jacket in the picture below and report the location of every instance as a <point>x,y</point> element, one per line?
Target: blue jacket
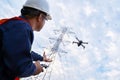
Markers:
<point>17,57</point>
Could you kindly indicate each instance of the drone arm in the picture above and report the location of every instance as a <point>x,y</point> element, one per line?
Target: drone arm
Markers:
<point>85,42</point>
<point>75,42</point>
<point>77,39</point>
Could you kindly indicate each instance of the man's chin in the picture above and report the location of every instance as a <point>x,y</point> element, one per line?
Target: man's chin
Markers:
<point>37,30</point>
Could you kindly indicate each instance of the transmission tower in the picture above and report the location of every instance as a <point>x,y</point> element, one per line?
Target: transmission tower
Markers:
<point>53,52</point>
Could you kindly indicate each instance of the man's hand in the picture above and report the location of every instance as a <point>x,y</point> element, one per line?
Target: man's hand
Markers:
<point>39,68</point>
<point>46,59</point>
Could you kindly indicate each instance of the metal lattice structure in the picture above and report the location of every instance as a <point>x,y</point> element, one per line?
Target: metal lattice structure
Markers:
<point>53,52</point>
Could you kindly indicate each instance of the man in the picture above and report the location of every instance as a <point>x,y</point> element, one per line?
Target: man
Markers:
<point>16,57</point>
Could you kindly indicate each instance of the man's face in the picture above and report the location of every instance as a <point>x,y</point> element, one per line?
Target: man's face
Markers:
<point>40,22</point>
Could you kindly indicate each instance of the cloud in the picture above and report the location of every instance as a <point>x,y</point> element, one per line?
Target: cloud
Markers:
<point>94,21</point>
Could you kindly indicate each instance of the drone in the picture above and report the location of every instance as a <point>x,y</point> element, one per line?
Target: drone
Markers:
<point>80,43</point>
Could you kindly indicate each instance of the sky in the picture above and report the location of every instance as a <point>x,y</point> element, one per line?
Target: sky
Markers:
<point>94,21</point>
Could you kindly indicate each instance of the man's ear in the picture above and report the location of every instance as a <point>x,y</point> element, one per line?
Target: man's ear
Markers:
<point>39,18</point>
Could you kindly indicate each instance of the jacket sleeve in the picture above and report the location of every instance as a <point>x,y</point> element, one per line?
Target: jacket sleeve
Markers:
<point>17,45</point>
<point>36,56</point>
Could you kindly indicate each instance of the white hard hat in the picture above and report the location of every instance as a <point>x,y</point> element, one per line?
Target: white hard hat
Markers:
<point>41,5</point>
